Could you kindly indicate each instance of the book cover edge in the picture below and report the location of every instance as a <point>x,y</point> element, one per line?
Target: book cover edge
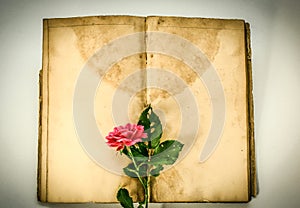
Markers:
<point>42,194</point>
<point>252,160</point>
<point>42,172</point>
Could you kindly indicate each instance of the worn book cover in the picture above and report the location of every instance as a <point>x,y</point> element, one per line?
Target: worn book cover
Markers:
<point>100,72</point>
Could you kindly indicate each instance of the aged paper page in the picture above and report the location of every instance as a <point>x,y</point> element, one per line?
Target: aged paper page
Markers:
<point>221,175</point>
<point>75,104</point>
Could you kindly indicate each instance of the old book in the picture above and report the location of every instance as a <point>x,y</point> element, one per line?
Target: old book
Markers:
<point>99,72</point>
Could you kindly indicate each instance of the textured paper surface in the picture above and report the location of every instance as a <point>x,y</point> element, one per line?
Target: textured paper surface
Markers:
<point>66,171</point>
<point>224,176</point>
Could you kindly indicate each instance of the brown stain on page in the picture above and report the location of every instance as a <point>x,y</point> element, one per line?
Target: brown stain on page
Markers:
<point>171,184</point>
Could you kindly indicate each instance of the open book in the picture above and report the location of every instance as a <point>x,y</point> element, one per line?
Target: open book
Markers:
<point>100,72</point>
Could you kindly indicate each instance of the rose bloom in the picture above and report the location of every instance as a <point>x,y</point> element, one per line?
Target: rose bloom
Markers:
<point>127,135</point>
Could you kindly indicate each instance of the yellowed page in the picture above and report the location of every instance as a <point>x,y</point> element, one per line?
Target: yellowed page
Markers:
<point>221,175</point>
<point>69,172</point>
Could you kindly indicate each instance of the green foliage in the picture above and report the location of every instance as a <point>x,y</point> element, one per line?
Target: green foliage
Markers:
<point>142,148</point>
<point>124,198</point>
<point>152,126</point>
<point>131,170</point>
<point>144,119</point>
<point>139,152</point>
<point>156,170</point>
<point>166,153</point>
<point>149,156</point>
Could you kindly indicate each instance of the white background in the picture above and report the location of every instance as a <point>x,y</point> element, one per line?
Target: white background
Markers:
<point>275,31</point>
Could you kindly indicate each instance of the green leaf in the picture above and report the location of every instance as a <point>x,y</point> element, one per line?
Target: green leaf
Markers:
<point>155,129</point>
<point>139,152</point>
<point>124,198</point>
<point>156,171</point>
<point>152,126</point>
<point>131,171</point>
<point>142,148</point>
<point>144,120</point>
<point>166,153</point>
<point>140,206</point>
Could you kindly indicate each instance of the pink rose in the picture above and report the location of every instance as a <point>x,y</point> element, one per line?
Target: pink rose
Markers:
<point>125,136</point>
